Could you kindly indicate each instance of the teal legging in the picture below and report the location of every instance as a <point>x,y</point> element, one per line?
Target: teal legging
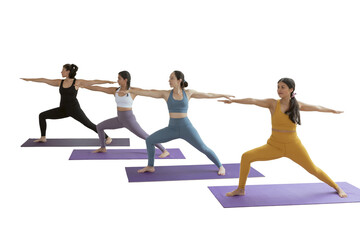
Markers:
<point>179,128</point>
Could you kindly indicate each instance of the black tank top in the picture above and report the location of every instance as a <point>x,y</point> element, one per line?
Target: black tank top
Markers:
<point>68,95</point>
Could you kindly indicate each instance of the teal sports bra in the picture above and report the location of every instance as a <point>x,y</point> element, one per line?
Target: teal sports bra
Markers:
<point>178,106</point>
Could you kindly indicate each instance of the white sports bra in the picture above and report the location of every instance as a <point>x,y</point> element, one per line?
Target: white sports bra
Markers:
<point>124,101</point>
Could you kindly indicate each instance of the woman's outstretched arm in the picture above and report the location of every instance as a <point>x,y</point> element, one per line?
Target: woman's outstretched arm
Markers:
<point>149,93</point>
<point>85,83</point>
<point>317,108</point>
<point>195,94</point>
<point>51,82</point>
<point>109,90</point>
<point>265,103</point>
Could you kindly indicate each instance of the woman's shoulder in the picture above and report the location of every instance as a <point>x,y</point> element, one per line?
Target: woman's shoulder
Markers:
<point>271,100</point>
<point>189,91</point>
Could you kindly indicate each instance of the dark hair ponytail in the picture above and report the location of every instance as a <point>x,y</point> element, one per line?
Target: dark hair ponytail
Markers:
<point>126,75</point>
<point>294,109</point>
<point>180,75</point>
<point>72,68</point>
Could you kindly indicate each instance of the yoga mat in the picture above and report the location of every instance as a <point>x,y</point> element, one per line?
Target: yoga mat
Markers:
<point>191,172</point>
<point>75,142</point>
<point>111,154</point>
<point>285,194</point>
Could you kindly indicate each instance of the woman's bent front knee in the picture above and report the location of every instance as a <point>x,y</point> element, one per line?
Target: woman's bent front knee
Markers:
<point>150,140</point>
<point>99,127</point>
<point>42,115</point>
<point>246,158</point>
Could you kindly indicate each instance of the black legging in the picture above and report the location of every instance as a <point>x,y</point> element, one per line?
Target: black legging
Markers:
<point>62,112</point>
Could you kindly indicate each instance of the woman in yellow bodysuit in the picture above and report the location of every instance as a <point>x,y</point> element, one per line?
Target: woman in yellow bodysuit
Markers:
<point>284,142</point>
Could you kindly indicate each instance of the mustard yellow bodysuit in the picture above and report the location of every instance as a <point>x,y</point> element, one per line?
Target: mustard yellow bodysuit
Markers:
<point>282,144</point>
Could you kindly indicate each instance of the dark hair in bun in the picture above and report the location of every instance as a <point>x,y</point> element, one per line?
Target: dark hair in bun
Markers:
<point>72,68</point>
<point>179,75</point>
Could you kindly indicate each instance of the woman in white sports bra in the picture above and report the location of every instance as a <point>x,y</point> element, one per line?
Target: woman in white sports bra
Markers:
<point>125,116</point>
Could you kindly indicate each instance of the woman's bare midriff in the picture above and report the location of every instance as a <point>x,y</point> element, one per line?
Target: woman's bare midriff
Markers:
<point>178,115</point>
<point>121,109</point>
<point>286,131</point>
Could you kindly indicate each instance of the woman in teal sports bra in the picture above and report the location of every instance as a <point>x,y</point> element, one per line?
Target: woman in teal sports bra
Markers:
<point>179,125</point>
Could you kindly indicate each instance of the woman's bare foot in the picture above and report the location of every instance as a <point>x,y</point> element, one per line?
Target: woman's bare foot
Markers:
<point>341,192</point>
<point>42,139</point>
<point>146,169</point>
<point>100,150</point>
<point>108,140</point>
<point>164,154</point>
<point>237,192</point>
<point>221,171</point>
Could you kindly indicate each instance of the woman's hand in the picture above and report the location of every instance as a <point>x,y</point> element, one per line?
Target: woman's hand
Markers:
<point>338,112</point>
<point>228,96</point>
<point>226,101</point>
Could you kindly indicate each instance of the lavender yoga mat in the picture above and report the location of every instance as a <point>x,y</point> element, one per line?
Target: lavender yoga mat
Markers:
<point>117,154</point>
<point>75,142</point>
<point>285,194</point>
<point>113,154</point>
<point>191,172</point>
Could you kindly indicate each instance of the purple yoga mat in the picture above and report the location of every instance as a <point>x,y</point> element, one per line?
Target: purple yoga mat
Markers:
<point>191,172</point>
<point>113,154</point>
<point>285,194</point>
<point>75,142</point>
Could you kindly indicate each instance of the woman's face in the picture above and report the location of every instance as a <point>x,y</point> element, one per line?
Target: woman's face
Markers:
<point>65,73</point>
<point>173,81</point>
<point>283,90</point>
<point>121,81</point>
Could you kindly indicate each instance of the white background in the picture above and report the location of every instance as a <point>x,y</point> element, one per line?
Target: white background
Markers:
<point>235,47</point>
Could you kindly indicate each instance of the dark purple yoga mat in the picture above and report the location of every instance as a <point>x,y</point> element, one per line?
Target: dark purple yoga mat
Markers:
<point>285,194</point>
<point>113,154</point>
<point>191,172</point>
<point>75,142</point>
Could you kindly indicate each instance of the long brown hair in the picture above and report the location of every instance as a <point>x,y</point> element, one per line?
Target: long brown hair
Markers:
<point>294,109</point>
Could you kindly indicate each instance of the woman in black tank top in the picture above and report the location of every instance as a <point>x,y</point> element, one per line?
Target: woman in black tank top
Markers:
<point>68,95</point>
<point>69,105</point>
